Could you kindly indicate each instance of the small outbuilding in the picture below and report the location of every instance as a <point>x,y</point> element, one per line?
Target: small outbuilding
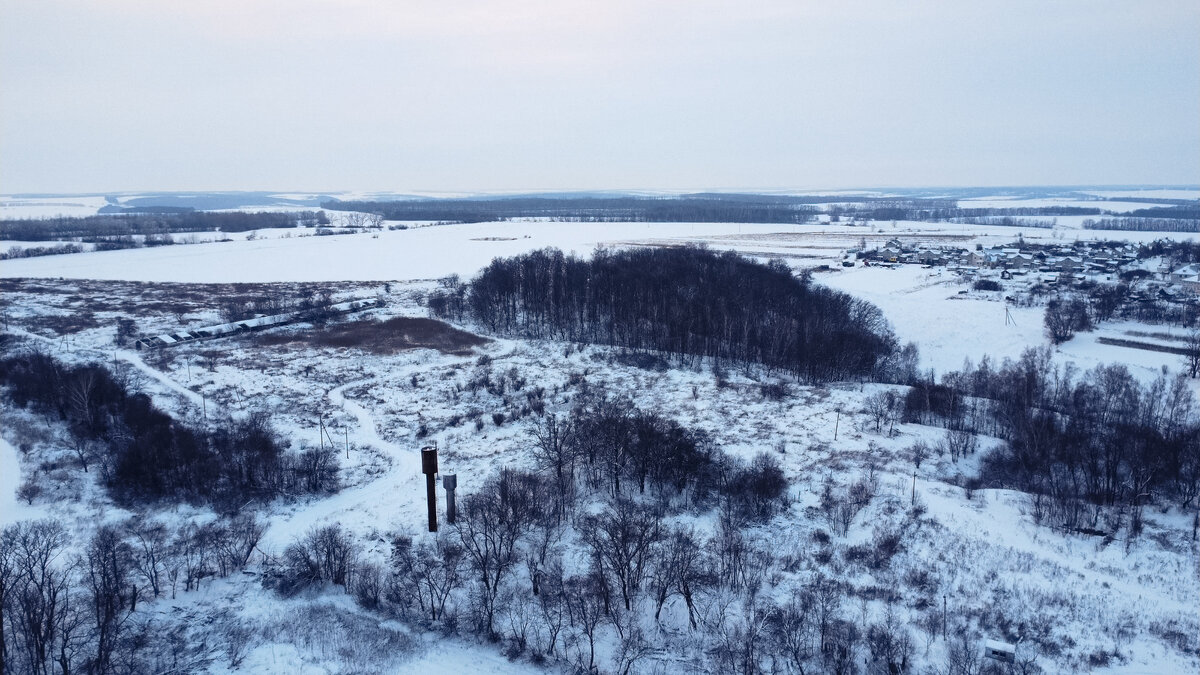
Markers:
<point>1000,651</point>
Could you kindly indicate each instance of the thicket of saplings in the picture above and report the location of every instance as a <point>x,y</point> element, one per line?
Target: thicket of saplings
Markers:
<point>690,302</point>
<point>578,560</point>
<point>1176,252</point>
<point>143,454</point>
<point>110,228</point>
<point>1074,441</point>
<point>67,608</point>
<point>1091,303</point>
<point>310,306</point>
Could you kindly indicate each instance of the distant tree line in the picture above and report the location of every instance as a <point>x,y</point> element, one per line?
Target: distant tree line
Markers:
<point>1004,221</point>
<point>1144,224</point>
<point>144,454</point>
<point>1190,211</point>
<point>112,227</point>
<point>109,209</point>
<point>688,302</point>
<point>1072,439</point>
<point>701,208</point>
<point>948,210</point>
<point>1161,201</point>
<point>15,252</point>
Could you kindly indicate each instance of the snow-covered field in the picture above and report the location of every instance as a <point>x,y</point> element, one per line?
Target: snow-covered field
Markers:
<point>1148,193</point>
<point>50,206</point>
<point>416,253</point>
<point>923,305</point>
<point>1016,202</point>
<point>438,251</point>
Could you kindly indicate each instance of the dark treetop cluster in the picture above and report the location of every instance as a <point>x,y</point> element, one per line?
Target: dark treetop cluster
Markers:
<point>688,302</point>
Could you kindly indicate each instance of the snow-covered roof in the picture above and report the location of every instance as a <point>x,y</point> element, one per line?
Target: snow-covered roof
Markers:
<point>998,646</point>
<point>256,322</point>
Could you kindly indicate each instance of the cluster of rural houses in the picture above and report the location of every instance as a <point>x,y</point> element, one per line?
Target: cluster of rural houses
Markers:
<point>1065,264</point>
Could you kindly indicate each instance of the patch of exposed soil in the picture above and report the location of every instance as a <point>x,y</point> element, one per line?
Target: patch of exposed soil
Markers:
<point>384,337</point>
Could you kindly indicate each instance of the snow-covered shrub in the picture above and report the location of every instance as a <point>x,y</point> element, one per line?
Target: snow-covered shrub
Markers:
<point>325,555</point>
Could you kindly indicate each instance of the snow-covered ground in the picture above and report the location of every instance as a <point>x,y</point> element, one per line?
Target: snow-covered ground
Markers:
<point>925,306</point>
<point>984,548</point>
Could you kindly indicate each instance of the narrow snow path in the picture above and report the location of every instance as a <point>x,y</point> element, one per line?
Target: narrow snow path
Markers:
<point>136,361</point>
<point>129,357</point>
<point>372,501</point>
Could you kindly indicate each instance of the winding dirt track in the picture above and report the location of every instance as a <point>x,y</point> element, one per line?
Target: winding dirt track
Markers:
<point>357,501</point>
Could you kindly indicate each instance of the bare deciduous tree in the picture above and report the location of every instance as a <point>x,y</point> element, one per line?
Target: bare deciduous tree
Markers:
<point>621,540</point>
<point>554,449</point>
<point>680,570</point>
<point>427,571</point>
<point>489,525</point>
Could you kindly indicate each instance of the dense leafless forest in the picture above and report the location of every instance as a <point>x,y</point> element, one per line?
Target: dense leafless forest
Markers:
<point>686,302</point>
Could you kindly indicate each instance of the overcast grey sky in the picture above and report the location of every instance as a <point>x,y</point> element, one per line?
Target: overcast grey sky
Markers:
<point>480,95</point>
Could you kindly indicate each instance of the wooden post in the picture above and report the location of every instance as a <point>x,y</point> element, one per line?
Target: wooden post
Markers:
<point>836,422</point>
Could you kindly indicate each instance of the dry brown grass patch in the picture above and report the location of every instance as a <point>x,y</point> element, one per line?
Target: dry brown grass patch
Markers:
<point>384,337</point>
